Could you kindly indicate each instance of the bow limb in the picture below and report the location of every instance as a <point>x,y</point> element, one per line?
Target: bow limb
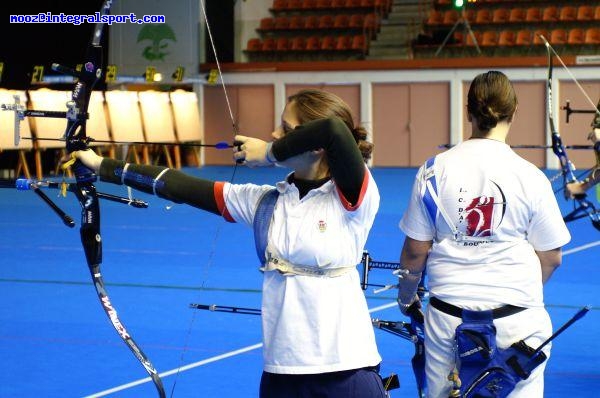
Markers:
<point>85,191</point>
<point>584,206</point>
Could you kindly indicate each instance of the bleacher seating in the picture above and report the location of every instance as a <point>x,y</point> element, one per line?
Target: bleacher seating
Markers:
<point>509,27</point>
<point>317,29</point>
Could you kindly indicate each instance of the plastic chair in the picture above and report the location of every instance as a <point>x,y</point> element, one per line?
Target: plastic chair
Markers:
<point>483,16</point>
<point>524,38</point>
<point>294,5</point>
<point>585,13</point>
<point>500,15</point>
<point>517,15</point>
<point>567,13</point>
<point>254,45</point>
<point>576,36</point>
<point>311,22</point>
<point>343,43</point>
<point>435,18</point>
<point>313,43</point>
<point>328,43</point>
<point>450,17</point>
<point>371,25</point>
<point>352,4</point>
<point>298,43</point>
<point>533,14</point>
<point>341,21</point>
<point>309,4</point>
<point>489,38</point>
<point>507,38</point>
<point>282,44</point>
<point>296,22</point>
<point>357,21</point>
<point>592,36</point>
<point>469,42</point>
<point>470,15</point>
<point>338,3</point>
<point>268,44</point>
<point>266,24</point>
<point>558,36</point>
<point>326,22</point>
<point>279,5</point>
<point>536,36</point>
<point>550,14</point>
<point>323,4</point>
<point>281,23</point>
<point>359,43</point>
<point>597,13</point>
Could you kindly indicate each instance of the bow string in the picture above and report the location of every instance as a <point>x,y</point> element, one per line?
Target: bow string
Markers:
<point>584,207</point>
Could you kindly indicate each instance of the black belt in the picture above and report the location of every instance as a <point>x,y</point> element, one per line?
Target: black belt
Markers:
<point>453,310</point>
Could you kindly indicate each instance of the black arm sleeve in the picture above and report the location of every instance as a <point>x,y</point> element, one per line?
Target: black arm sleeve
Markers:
<point>173,185</point>
<point>346,163</point>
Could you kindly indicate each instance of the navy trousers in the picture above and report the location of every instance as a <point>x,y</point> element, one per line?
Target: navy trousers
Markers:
<point>357,383</point>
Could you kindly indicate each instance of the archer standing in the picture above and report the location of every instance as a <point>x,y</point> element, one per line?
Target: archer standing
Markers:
<point>317,332</point>
<point>487,226</point>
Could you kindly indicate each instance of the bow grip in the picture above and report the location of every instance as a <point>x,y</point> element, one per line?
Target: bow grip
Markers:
<point>83,173</point>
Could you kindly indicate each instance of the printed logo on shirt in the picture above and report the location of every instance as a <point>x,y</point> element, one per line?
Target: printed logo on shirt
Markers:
<point>483,215</point>
<point>322,225</point>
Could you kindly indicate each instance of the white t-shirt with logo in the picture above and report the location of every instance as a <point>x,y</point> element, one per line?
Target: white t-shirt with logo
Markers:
<point>313,324</point>
<point>506,210</point>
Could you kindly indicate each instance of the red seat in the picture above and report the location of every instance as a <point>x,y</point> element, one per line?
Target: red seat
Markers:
<point>343,43</point>
<point>269,44</point>
<point>294,5</point>
<point>524,37</point>
<point>341,21</point>
<point>500,15</point>
<point>558,36</point>
<point>328,43</point>
<point>283,44</point>
<point>313,43</point>
<point>585,13</point>
<point>489,38</point>
<point>356,21</point>
<point>281,23</point>
<point>450,17</point>
<point>371,25</point>
<point>298,43</point>
<point>550,14</point>
<point>506,38</point>
<point>254,44</point>
<point>279,5</point>
<point>296,22</point>
<point>435,18</point>
<point>540,32</point>
<point>359,43</point>
<point>311,22</point>
<point>483,16</point>
<point>567,13</point>
<point>592,36</point>
<point>534,14</point>
<point>266,24</point>
<point>326,22</point>
<point>323,4</point>
<point>309,4</point>
<point>517,15</point>
<point>576,36</point>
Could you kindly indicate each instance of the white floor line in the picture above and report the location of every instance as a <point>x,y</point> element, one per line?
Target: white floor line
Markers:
<point>259,345</point>
<point>580,248</point>
<point>200,363</point>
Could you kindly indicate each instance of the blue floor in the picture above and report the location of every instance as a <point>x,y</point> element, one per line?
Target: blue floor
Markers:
<point>55,339</point>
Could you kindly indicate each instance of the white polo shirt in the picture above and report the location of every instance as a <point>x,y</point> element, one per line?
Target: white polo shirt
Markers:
<point>313,324</point>
<point>506,208</point>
